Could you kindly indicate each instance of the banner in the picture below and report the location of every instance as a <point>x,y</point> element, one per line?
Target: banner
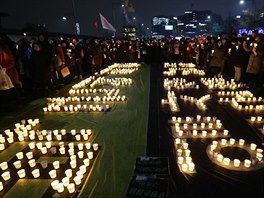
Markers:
<point>105,24</point>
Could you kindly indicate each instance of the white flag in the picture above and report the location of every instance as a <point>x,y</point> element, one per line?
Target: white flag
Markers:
<point>105,24</point>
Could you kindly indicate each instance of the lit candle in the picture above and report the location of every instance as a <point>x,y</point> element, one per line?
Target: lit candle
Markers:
<point>247,163</point>
<point>21,173</point>
<point>31,145</point>
<point>259,156</point>
<point>1,186</point>
<point>19,155</point>
<point>52,174</point>
<point>86,162</point>
<point>191,166</point>
<point>4,165</point>
<point>73,164</point>
<point>185,145</point>
<point>60,187</point>
<point>220,157</point>
<point>68,173</point>
<point>204,133</point>
<point>29,155</point>
<point>187,153</point>
<point>56,164</point>
<point>194,132</point>
<point>54,184</point>
<point>236,163</point>
<point>226,161</point>
<point>17,164</point>
<point>6,175</point>
<point>253,146</point>
<point>90,155</point>
<point>180,160</point>
<point>44,150</point>
<point>184,167</point>
<point>223,141</point>
<point>62,150</point>
<point>65,181</point>
<point>241,142</point>
<point>77,180</point>
<point>80,154</point>
<point>232,141</point>
<point>71,151</point>
<point>71,188</point>
<point>35,173</point>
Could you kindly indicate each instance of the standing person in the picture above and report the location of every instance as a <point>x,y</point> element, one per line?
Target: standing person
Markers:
<point>232,69</point>
<point>7,61</point>
<point>217,61</point>
<point>41,70</point>
<point>255,62</point>
<point>78,56</point>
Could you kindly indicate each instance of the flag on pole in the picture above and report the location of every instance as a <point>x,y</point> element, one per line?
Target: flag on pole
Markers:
<point>105,24</point>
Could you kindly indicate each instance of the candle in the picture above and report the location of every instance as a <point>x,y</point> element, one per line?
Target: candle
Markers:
<point>77,180</point>
<point>86,162</point>
<point>187,153</point>
<point>241,142</point>
<point>236,163</point>
<point>60,187</point>
<point>71,151</point>
<point>29,155</point>
<point>226,161</point>
<point>21,173</point>
<point>31,145</point>
<point>4,165</point>
<point>188,160</point>
<point>80,154</point>
<point>219,157</point>
<point>253,146</point>
<point>80,146</point>
<point>247,163</point>
<point>56,164</point>
<point>65,181</point>
<point>44,150</point>
<point>62,150</point>
<point>194,132</point>
<point>184,167</point>
<point>185,145</point>
<point>6,175</point>
<point>71,188</point>
<point>44,164</point>
<point>83,169</point>
<point>52,174</point>
<point>39,145</point>
<point>19,155</point>
<point>232,141</point>
<point>223,141</point>
<point>68,173</point>
<point>88,145</point>
<point>73,164</point>
<point>54,184</point>
<point>259,156</point>
<point>180,160</point>
<point>1,186</point>
<point>35,173</point>
<point>71,145</point>
<point>253,118</point>
<point>32,163</point>
<point>204,133</point>
<point>90,155</point>
<point>73,158</point>
<point>191,166</point>
<point>17,164</point>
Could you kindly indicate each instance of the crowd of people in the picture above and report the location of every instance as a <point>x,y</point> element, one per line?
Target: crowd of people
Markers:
<point>35,65</point>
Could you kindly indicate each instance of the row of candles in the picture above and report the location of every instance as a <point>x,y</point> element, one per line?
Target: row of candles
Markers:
<point>184,158</point>
<point>220,83</point>
<point>200,103</point>
<point>56,164</point>
<point>62,100</point>
<point>120,68</point>
<point>76,108</point>
<point>84,83</point>
<point>172,101</point>
<point>193,71</point>
<point>244,93</point>
<point>115,82</point>
<point>198,118</point>
<point>170,65</point>
<point>255,153</point>
<point>179,83</point>
<point>239,106</point>
<point>108,92</point>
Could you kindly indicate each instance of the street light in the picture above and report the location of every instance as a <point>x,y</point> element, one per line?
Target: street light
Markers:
<point>242,2</point>
<point>64,18</point>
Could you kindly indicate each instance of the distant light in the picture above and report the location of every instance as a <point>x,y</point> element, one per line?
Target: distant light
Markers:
<point>238,16</point>
<point>64,18</point>
<point>147,28</point>
<point>134,18</point>
<point>122,5</point>
<point>25,34</point>
<point>208,17</point>
<point>241,2</point>
<point>142,24</point>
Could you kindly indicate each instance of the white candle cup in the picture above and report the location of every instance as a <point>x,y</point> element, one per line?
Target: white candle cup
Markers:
<point>80,146</point>
<point>60,187</point>
<point>95,147</point>
<point>73,164</point>
<point>194,132</point>
<point>83,169</point>
<point>79,173</point>
<point>259,156</point>
<point>73,132</point>
<point>17,164</point>
<point>29,155</point>
<point>39,145</point>
<point>21,173</point>
<point>52,174</point>
<point>223,141</point>
<point>71,152</point>
<point>6,175</point>
<point>214,132</point>
<point>54,184</point>
<point>85,137</point>
<point>219,157</point>
<point>68,173</point>
<point>89,132</point>
<point>198,117</point>
<point>90,155</point>
<point>71,188</point>
<point>180,160</point>
<point>44,150</point>
<point>31,145</point>
<point>247,163</point>
<point>53,150</point>
<point>226,161</point>
<point>59,137</point>
<point>188,160</point>
<point>56,165</point>
<point>204,133</point>
<point>63,131</point>
<point>232,141</point>
<point>77,180</point>
<point>253,118</point>
<point>253,146</point>
<point>71,145</point>
<point>185,145</point>
<point>86,162</point>
<point>226,132</point>
<point>65,181</point>
<point>88,145</point>
<point>73,157</point>
<point>44,164</point>
<point>35,173</point>
<point>212,147</point>
<point>191,167</point>
<point>4,165</point>
<point>19,155</point>
<point>179,152</point>
<point>61,144</point>
<point>236,162</point>
<point>180,133</point>
<point>184,167</point>
<point>32,163</point>
<point>241,142</point>
<point>80,154</point>
<point>259,150</point>
<point>187,152</point>
<point>62,150</point>
<point>78,137</point>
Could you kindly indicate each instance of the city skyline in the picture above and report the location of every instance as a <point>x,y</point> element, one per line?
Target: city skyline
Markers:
<point>50,13</point>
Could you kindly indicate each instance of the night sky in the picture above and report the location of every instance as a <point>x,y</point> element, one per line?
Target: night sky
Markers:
<point>50,12</point>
